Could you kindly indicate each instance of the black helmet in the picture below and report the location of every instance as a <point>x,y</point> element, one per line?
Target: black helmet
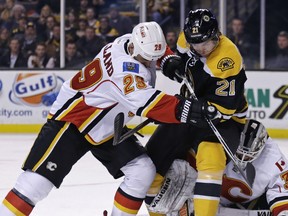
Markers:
<point>200,25</point>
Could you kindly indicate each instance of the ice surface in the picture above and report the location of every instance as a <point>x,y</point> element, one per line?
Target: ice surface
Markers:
<point>86,191</point>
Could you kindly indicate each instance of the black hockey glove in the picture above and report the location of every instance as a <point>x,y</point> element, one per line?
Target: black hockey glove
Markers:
<point>195,112</point>
<point>171,65</point>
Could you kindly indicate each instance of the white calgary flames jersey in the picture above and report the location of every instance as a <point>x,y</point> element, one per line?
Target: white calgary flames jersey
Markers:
<point>113,82</point>
<point>271,176</point>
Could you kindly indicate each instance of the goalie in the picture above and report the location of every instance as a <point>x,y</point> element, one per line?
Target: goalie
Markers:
<point>269,191</point>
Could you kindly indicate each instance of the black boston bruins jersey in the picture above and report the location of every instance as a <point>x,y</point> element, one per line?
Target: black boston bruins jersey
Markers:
<point>219,78</point>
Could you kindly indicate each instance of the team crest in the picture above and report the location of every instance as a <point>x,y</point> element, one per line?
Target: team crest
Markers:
<point>130,67</point>
<point>225,64</point>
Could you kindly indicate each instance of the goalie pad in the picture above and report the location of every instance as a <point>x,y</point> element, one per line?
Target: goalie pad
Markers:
<point>224,211</point>
<point>178,186</point>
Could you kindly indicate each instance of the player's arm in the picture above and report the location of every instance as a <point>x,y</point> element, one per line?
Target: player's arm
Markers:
<point>277,192</point>
<point>171,109</point>
<point>143,100</point>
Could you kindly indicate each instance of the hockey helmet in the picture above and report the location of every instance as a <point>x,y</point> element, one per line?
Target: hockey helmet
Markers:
<point>200,26</point>
<point>252,142</point>
<point>148,40</point>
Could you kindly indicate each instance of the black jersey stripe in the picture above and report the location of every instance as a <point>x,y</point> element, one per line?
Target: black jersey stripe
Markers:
<point>129,196</point>
<point>278,199</point>
<point>97,119</point>
<point>207,189</point>
<point>152,98</point>
<point>67,104</point>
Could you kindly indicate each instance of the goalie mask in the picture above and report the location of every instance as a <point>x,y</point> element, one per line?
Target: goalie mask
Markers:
<point>252,142</point>
<point>148,40</point>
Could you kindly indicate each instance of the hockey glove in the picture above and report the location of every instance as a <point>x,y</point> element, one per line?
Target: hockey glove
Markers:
<point>172,65</point>
<point>195,112</point>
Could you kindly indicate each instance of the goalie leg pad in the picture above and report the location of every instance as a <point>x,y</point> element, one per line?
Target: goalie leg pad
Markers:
<point>177,188</point>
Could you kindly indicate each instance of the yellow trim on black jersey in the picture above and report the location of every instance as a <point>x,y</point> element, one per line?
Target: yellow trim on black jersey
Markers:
<point>182,45</point>
<point>225,61</point>
<point>223,109</point>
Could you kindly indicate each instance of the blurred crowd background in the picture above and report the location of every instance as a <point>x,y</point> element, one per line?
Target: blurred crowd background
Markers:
<point>30,30</point>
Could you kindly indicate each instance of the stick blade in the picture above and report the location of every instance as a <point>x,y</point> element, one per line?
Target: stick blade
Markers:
<point>118,126</point>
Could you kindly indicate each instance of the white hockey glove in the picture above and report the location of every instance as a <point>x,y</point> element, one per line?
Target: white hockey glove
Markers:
<point>177,188</point>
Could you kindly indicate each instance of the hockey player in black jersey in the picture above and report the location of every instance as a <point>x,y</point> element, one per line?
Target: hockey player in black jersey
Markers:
<point>215,69</point>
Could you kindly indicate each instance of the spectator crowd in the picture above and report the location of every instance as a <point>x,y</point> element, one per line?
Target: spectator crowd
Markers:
<point>30,32</point>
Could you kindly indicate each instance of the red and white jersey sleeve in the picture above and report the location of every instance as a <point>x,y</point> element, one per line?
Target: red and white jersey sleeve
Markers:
<point>113,82</point>
<point>271,177</point>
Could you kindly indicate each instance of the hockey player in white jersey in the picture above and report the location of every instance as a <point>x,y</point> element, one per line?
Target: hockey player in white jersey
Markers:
<point>120,79</point>
<point>271,177</point>
<point>237,197</point>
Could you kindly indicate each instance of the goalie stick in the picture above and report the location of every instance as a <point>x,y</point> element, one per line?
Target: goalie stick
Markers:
<point>250,169</point>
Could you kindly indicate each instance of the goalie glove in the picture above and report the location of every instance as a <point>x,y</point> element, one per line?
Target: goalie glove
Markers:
<point>195,112</point>
<point>172,65</point>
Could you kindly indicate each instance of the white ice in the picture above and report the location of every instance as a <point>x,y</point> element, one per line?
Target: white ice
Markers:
<point>86,191</point>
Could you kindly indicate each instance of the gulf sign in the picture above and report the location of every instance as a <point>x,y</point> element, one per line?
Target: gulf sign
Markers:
<point>28,88</point>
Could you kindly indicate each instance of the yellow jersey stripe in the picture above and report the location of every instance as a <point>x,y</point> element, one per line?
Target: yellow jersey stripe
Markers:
<point>51,147</point>
<point>126,210</point>
<point>12,208</point>
<point>152,104</point>
<point>89,120</point>
<point>71,106</point>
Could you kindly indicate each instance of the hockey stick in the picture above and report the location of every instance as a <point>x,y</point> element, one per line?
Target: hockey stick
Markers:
<point>250,169</point>
<point>118,126</point>
<point>134,130</point>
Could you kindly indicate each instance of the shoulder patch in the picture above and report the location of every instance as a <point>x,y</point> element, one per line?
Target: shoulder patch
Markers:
<point>225,64</point>
<point>130,67</point>
<point>281,165</point>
